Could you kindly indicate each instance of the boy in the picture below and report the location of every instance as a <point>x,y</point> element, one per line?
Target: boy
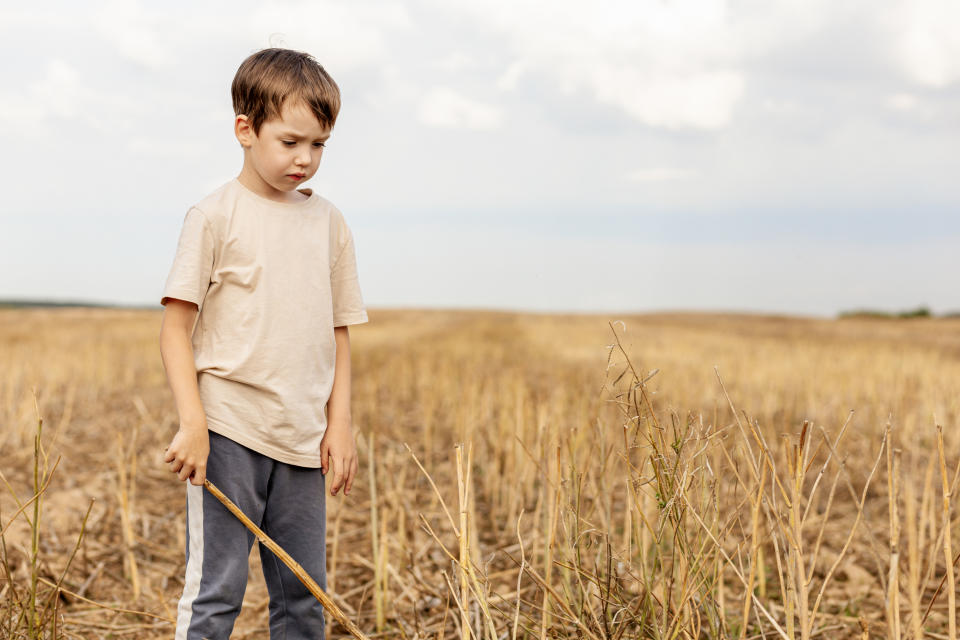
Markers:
<point>255,345</point>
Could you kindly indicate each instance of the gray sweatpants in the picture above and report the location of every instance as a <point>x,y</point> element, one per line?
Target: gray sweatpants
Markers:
<point>284,500</point>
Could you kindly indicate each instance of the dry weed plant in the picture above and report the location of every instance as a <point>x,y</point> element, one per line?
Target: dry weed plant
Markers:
<point>30,608</point>
<point>520,479</point>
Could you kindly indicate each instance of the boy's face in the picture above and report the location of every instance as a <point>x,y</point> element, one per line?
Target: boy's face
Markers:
<point>285,154</point>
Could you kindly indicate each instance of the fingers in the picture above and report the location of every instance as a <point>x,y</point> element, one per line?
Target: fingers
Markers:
<point>185,471</point>
<point>196,473</point>
<point>351,474</point>
<point>337,466</point>
<point>344,471</point>
<point>324,459</point>
<point>199,476</point>
<point>169,456</point>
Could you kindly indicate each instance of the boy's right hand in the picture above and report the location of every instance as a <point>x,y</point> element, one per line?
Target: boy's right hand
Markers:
<point>187,454</point>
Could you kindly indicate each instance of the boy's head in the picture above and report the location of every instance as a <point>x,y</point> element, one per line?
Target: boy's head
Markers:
<point>285,106</point>
<point>270,78</point>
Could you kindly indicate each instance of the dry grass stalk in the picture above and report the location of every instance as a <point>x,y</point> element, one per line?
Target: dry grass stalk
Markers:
<point>464,560</point>
<point>755,558</point>
<point>523,564</point>
<point>375,536</point>
<point>948,559</point>
<point>549,534</point>
<point>100,605</point>
<point>893,579</point>
<point>913,560</point>
<point>126,463</point>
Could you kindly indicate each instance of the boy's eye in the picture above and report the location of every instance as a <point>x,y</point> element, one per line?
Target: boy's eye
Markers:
<point>319,144</point>
<point>289,143</point>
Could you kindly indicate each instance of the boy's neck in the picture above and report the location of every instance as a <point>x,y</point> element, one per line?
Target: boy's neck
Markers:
<point>251,180</point>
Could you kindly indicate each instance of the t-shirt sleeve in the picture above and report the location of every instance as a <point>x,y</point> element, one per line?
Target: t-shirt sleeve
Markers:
<point>348,307</point>
<point>189,276</point>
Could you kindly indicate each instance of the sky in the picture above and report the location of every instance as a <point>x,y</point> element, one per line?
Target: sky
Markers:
<point>783,156</point>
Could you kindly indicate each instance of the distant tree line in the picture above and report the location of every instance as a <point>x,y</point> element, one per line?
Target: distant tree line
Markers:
<point>11,303</point>
<point>918,312</point>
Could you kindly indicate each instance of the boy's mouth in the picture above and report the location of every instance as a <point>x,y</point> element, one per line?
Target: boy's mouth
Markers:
<point>296,176</point>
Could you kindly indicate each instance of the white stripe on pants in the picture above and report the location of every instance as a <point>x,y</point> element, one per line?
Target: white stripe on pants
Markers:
<point>194,571</point>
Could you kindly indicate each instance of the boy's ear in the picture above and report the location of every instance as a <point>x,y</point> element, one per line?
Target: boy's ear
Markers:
<point>243,130</point>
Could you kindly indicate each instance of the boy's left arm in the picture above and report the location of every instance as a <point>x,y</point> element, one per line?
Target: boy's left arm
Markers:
<point>338,450</point>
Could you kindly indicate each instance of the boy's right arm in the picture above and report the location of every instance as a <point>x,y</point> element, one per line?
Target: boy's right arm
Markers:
<point>187,453</point>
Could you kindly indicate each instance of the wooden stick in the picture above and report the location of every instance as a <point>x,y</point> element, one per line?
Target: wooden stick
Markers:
<point>298,571</point>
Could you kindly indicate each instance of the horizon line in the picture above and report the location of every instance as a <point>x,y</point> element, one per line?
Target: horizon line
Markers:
<point>914,312</point>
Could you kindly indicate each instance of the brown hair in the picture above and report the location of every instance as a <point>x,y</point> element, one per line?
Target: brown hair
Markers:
<point>269,77</point>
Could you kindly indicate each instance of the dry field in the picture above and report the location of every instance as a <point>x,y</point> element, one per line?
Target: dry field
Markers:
<point>671,476</point>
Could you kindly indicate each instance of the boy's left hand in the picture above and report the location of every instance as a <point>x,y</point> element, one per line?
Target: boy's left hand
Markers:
<point>338,451</point>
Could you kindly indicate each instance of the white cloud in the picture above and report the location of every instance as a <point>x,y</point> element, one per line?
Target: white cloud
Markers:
<point>510,78</point>
<point>135,32</point>
<point>30,16</point>
<point>670,65</point>
<point>903,102</point>
<point>342,36</point>
<point>685,64</point>
<point>63,84</point>
<point>444,107</point>
<point>701,100</point>
<point>659,174</point>
<point>62,92</point>
<point>57,92</point>
<point>456,61</point>
<point>164,147</point>
<point>927,46</point>
<point>912,106</point>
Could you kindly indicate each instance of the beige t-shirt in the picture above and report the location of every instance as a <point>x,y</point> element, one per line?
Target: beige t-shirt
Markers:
<point>271,281</point>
